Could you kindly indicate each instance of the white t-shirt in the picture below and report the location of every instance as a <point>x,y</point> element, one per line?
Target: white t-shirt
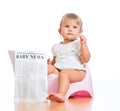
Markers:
<point>68,55</point>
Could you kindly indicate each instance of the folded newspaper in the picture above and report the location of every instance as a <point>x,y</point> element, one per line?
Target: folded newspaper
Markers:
<point>30,68</point>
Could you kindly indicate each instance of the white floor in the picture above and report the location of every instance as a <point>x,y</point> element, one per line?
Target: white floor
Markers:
<point>106,96</point>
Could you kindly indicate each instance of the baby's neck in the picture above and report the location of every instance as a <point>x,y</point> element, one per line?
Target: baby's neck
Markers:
<point>67,41</point>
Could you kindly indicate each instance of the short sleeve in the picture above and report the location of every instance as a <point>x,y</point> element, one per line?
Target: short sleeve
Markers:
<point>54,50</point>
<point>78,47</point>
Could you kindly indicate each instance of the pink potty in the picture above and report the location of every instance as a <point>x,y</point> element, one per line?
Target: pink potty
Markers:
<point>78,89</point>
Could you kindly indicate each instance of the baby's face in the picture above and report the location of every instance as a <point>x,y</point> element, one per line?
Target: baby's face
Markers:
<point>70,29</point>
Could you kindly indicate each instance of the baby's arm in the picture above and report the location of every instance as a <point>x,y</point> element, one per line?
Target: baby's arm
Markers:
<point>85,54</point>
<point>51,67</point>
<point>51,61</point>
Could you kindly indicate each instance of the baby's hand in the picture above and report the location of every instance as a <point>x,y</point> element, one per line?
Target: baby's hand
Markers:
<point>48,61</point>
<point>82,39</point>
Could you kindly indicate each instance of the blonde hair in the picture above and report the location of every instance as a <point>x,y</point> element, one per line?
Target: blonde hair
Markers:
<point>72,16</point>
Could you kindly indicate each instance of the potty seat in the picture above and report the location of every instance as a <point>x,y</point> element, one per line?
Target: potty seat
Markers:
<point>81,89</point>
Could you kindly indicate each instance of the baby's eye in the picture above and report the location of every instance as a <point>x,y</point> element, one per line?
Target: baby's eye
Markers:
<point>67,26</point>
<point>74,27</point>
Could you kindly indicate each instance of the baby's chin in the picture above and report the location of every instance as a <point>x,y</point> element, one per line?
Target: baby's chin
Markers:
<point>72,39</point>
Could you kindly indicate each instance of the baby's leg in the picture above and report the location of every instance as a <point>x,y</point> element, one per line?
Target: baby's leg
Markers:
<point>66,77</point>
<point>52,69</point>
<point>56,97</point>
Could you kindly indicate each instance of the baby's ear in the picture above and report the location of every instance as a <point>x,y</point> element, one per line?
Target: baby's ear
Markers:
<point>81,30</point>
<point>59,30</point>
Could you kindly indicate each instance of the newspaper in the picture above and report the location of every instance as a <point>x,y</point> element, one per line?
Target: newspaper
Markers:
<point>30,76</point>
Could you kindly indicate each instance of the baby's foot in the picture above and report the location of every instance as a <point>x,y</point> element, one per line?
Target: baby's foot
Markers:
<point>56,97</point>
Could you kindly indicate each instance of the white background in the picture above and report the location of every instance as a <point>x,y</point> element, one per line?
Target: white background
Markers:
<point>33,25</point>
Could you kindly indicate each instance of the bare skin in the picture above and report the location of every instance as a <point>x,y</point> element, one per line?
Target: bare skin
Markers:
<point>66,77</point>
<point>70,30</point>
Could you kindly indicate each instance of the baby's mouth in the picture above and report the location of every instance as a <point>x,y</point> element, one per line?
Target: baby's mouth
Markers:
<point>69,34</point>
